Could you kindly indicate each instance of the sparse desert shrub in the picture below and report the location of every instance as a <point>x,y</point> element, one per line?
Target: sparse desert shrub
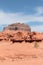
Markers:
<point>36,45</point>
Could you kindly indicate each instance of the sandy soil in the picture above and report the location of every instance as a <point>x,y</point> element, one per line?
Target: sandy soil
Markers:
<point>21,53</point>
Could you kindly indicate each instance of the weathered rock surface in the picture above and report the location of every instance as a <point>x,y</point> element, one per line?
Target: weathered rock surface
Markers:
<point>18,26</point>
<point>20,36</point>
<point>20,32</point>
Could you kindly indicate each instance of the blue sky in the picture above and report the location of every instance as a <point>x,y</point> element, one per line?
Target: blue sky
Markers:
<point>24,11</point>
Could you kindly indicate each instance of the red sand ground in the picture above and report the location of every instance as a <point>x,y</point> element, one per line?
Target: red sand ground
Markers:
<point>21,53</point>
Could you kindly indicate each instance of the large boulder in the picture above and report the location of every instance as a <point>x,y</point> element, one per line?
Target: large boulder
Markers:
<point>18,26</point>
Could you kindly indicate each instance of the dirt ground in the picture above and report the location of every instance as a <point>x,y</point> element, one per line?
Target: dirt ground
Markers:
<point>21,53</point>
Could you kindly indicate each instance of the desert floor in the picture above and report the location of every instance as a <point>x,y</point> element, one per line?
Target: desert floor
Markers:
<point>21,53</point>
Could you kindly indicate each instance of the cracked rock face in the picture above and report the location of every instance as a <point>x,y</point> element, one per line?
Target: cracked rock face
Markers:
<point>18,26</point>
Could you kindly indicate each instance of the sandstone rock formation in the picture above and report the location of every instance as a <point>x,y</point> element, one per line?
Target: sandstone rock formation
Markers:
<point>20,32</point>
<point>20,36</point>
<point>18,26</point>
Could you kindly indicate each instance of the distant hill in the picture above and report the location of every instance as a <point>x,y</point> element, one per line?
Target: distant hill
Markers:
<point>18,26</point>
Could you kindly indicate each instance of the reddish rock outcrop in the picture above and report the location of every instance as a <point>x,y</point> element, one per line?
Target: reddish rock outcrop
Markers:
<point>20,36</point>
<point>20,32</point>
<point>18,26</point>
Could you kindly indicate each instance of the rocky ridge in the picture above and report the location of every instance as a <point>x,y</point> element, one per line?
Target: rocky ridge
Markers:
<point>19,33</point>
<point>20,36</point>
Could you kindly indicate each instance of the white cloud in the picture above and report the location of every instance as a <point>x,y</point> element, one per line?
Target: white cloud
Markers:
<point>20,17</point>
<point>37,28</point>
<point>39,10</point>
<point>7,18</point>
